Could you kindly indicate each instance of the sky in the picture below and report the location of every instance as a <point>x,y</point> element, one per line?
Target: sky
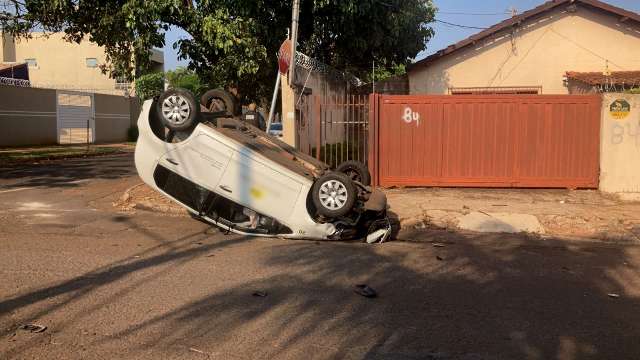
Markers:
<point>472,13</point>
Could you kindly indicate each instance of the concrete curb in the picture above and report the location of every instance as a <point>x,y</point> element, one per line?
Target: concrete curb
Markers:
<point>467,221</point>
<point>508,223</point>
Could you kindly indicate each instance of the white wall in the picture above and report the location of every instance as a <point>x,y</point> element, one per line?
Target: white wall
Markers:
<point>620,148</point>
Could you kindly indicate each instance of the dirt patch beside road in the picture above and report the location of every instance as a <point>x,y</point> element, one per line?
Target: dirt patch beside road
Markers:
<point>580,214</point>
<point>142,197</point>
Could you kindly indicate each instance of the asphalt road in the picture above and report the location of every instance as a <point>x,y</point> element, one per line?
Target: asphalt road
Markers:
<point>146,286</point>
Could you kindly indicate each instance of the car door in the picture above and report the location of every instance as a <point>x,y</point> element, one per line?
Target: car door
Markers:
<point>259,185</point>
<point>202,160</point>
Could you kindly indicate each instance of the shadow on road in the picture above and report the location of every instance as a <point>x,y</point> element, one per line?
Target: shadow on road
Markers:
<point>469,296</point>
<point>64,173</point>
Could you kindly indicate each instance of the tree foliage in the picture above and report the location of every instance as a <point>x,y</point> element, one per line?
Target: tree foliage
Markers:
<point>234,42</point>
<point>149,85</point>
<point>187,79</point>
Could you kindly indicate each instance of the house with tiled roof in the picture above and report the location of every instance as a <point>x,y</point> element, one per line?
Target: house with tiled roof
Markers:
<point>559,47</point>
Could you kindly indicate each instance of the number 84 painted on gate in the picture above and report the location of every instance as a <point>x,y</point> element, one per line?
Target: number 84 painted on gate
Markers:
<point>410,116</point>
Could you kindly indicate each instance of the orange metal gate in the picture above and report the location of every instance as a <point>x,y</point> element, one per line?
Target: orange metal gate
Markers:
<point>485,141</point>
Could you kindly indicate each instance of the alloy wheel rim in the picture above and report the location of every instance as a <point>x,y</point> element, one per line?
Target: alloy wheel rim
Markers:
<point>333,194</point>
<point>176,109</point>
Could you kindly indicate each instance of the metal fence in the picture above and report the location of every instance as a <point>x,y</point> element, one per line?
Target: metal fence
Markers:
<point>120,89</point>
<point>335,129</point>
<point>486,141</point>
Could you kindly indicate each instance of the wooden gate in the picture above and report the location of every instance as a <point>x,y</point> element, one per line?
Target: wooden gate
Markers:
<point>485,141</point>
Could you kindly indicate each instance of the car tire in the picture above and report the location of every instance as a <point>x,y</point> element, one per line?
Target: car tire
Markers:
<point>333,195</point>
<point>223,99</point>
<point>178,110</point>
<point>357,171</point>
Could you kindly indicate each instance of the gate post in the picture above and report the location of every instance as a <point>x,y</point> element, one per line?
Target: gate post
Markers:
<point>373,138</point>
<point>318,124</point>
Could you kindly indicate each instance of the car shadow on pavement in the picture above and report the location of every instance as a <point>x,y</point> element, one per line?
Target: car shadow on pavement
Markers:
<point>64,173</point>
<point>170,254</point>
<point>452,295</point>
<point>490,296</point>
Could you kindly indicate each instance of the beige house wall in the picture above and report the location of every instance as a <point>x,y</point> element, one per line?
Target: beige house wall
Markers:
<point>620,148</point>
<point>288,99</point>
<point>538,53</point>
<point>62,64</point>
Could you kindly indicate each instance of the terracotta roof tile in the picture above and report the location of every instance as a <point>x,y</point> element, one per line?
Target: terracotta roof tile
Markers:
<point>598,78</point>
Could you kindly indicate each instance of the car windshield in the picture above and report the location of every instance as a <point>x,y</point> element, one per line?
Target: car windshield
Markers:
<point>276,126</point>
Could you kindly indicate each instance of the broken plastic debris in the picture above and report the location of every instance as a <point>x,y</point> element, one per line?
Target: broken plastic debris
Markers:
<point>34,328</point>
<point>439,258</point>
<point>260,294</point>
<point>378,236</point>
<point>438,245</point>
<point>365,290</point>
<point>613,295</point>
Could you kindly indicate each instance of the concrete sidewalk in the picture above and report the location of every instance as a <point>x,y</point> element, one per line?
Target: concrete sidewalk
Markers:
<point>565,213</point>
<point>558,213</point>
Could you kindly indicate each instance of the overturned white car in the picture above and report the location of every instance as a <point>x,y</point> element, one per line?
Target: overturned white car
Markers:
<point>233,175</point>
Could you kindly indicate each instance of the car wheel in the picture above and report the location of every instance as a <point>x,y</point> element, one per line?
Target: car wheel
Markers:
<point>219,100</point>
<point>357,171</point>
<point>333,195</point>
<point>178,110</point>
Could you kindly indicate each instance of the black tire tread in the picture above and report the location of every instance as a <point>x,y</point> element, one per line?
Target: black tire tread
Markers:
<point>361,168</point>
<point>228,99</point>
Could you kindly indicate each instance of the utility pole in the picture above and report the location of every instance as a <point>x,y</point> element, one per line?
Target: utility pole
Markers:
<point>373,75</point>
<point>294,39</point>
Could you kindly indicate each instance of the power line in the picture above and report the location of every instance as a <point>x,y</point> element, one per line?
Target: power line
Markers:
<point>473,14</point>
<point>437,20</point>
<point>460,26</point>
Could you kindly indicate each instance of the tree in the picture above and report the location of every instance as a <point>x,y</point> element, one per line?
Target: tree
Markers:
<point>234,42</point>
<point>150,85</point>
<point>187,79</point>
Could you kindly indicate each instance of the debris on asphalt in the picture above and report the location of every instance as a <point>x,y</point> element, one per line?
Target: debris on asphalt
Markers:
<point>33,328</point>
<point>485,213</point>
<point>365,290</point>
<point>613,295</point>
<point>438,245</point>
<point>197,351</point>
<point>440,258</point>
<point>260,294</point>
<point>499,205</point>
